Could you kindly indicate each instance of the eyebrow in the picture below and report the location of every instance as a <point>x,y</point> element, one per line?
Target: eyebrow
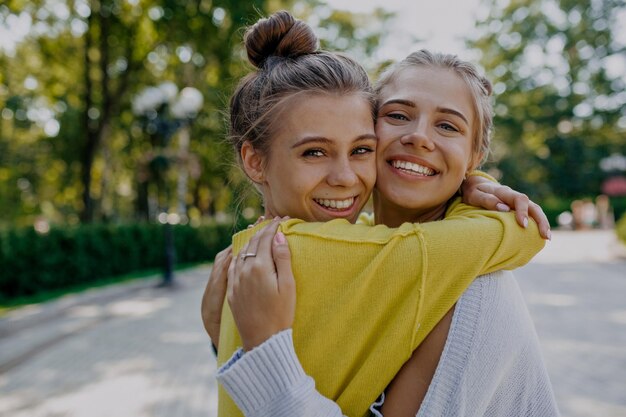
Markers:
<point>452,112</point>
<point>320,139</point>
<point>409,103</point>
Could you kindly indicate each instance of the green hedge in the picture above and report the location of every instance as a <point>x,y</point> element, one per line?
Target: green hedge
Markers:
<point>620,228</point>
<point>619,206</point>
<point>31,262</point>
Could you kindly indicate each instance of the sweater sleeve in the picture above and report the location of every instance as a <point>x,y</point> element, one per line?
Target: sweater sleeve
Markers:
<point>469,243</point>
<point>269,381</point>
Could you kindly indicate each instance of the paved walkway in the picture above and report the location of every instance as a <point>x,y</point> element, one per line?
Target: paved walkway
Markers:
<point>576,294</point>
<point>140,354</point>
<point>134,350</point>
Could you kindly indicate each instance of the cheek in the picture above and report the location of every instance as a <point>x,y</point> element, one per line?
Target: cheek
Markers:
<point>366,170</point>
<point>461,156</point>
<point>304,180</point>
<point>286,178</point>
<point>385,136</point>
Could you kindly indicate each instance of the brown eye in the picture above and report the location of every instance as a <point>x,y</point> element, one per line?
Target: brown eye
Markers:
<point>315,153</point>
<point>448,126</point>
<point>398,116</point>
<point>362,150</point>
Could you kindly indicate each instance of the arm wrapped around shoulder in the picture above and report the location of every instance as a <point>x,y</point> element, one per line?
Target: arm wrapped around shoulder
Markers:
<point>469,242</point>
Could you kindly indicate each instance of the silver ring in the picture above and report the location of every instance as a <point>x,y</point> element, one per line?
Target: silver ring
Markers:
<point>247,255</point>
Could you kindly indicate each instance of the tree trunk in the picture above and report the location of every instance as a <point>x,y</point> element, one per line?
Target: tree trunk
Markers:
<point>98,128</point>
<point>87,157</point>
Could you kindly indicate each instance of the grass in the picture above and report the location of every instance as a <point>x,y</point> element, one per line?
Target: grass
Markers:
<point>7,305</point>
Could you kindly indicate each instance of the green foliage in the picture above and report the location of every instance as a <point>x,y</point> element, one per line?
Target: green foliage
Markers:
<point>619,206</point>
<point>82,67</point>
<point>560,106</point>
<point>32,262</point>
<point>620,228</point>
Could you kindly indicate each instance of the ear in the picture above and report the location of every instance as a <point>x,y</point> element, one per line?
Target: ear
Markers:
<point>252,162</point>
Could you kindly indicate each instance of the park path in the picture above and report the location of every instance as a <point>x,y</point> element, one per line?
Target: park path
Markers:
<point>576,293</point>
<point>141,353</point>
<point>138,351</point>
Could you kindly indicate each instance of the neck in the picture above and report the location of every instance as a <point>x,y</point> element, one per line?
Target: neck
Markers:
<point>392,215</point>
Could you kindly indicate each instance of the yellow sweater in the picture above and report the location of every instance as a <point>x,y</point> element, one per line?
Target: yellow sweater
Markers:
<point>368,296</point>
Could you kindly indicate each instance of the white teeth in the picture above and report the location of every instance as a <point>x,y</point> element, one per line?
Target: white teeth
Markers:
<point>335,204</point>
<point>410,166</point>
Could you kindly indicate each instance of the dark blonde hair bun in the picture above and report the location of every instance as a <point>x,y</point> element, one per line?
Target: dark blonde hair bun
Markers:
<point>279,35</point>
<point>285,52</point>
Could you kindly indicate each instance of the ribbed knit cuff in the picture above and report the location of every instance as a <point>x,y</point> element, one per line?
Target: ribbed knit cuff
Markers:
<point>254,379</point>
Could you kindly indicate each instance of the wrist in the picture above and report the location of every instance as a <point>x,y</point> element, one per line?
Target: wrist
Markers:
<point>251,342</point>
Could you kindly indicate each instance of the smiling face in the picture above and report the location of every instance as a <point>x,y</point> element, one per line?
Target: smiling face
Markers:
<point>321,163</point>
<point>425,128</point>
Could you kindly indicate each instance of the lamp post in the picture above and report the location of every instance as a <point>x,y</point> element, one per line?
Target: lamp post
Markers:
<point>163,111</point>
<point>185,108</point>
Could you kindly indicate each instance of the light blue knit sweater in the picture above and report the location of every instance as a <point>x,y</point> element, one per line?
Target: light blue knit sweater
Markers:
<point>491,365</point>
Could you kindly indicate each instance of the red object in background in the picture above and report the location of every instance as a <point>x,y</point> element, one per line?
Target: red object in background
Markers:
<point>614,186</point>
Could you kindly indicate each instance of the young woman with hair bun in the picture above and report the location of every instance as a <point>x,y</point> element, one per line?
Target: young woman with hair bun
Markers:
<point>369,297</point>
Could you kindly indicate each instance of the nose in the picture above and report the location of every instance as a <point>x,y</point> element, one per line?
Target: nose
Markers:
<point>342,174</point>
<point>418,136</point>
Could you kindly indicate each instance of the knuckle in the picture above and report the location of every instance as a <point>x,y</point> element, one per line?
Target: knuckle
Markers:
<point>256,269</point>
<point>523,198</point>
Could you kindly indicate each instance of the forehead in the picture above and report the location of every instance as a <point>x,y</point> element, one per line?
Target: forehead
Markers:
<point>332,116</point>
<point>440,86</point>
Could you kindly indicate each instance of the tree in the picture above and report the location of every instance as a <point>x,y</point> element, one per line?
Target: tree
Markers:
<point>69,142</point>
<point>92,56</point>
<point>560,105</point>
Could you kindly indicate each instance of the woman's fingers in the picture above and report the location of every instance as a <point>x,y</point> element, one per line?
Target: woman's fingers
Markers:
<point>252,248</point>
<point>265,237</point>
<point>482,194</point>
<point>521,209</point>
<point>261,219</point>
<point>232,278</point>
<point>489,201</point>
<point>536,212</point>
<point>524,208</point>
<point>214,294</point>
<point>286,281</point>
<point>493,196</point>
<point>261,288</point>
<point>282,259</point>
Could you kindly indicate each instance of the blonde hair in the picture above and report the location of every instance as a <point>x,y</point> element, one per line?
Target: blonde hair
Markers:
<point>480,89</point>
